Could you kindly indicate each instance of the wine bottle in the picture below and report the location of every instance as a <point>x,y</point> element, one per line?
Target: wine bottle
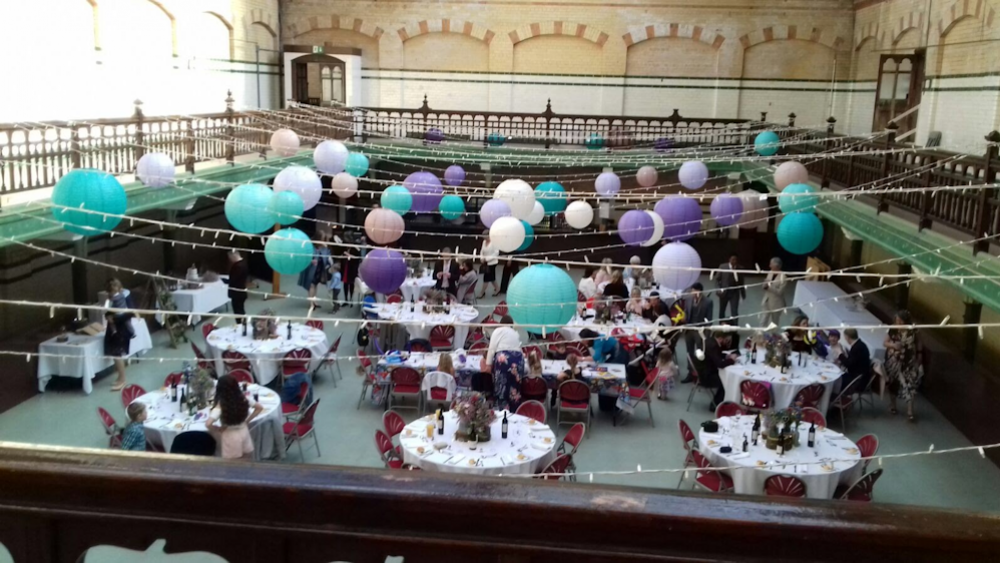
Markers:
<point>440,422</point>
<point>755,432</point>
<point>413,305</point>
<point>289,330</point>
<point>812,436</point>
<point>244,326</point>
<point>183,400</point>
<point>746,445</point>
<point>503,426</point>
<point>781,442</point>
<point>173,391</point>
<point>753,355</point>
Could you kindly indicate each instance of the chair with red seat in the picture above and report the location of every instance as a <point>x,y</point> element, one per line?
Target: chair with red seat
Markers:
<point>175,378</point>
<point>729,408</point>
<point>296,361</point>
<point>696,385</point>
<point>131,393</point>
<point>868,447</point>
<point>577,348</point>
<point>479,348</point>
<point>293,410</point>
<point>574,398</point>
<point>393,423</point>
<point>242,376</point>
<point>232,359</point>
<point>330,361</point>
<point>313,323</point>
<point>203,362</point>
<point>708,477</point>
<point>863,490</point>
<point>111,428</point>
<point>394,298</point>
<point>367,370</point>
<point>298,430</point>
<point>813,416</point>
<point>580,297</point>
<point>404,383</point>
<point>438,389</point>
<point>784,486</point>
<point>558,470</point>
<point>810,396</point>
<point>643,394</point>
<point>534,389</point>
<point>419,345</point>
<point>207,329</point>
<point>690,443</point>
<point>443,337</point>
<point>755,396</point>
<point>388,454</point>
<point>500,310</point>
<point>533,410</point>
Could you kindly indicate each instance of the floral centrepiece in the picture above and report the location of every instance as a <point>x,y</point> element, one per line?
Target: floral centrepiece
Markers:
<point>474,417</point>
<point>777,348</point>
<point>788,419</point>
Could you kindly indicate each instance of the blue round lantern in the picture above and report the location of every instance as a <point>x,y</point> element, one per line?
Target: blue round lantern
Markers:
<point>397,198</point>
<point>287,207</point>
<point>357,164</point>
<point>767,143</point>
<point>496,139</point>
<point>594,142</point>
<point>800,233</point>
<point>92,190</point>
<point>542,295</point>
<point>248,208</point>
<point>288,251</point>
<point>552,197</point>
<point>789,202</point>
<point>452,207</point>
<point>529,236</point>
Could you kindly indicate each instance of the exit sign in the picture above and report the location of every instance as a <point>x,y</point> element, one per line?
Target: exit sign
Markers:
<point>317,49</point>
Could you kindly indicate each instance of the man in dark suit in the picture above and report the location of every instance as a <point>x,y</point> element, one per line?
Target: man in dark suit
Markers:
<point>446,273</point>
<point>239,275</point>
<point>730,289</point>
<point>697,311</point>
<point>857,361</point>
<point>715,361</point>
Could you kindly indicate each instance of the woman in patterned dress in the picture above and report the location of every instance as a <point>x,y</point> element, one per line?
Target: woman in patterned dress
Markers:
<point>903,363</point>
<point>506,362</point>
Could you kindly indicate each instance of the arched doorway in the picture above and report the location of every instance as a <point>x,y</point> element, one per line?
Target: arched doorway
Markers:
<point>319,80</point>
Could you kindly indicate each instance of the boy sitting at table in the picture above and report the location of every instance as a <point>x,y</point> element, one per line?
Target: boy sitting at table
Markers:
<point>134,438</point>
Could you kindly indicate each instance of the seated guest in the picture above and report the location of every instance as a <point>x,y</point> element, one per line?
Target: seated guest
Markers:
<point>587,286</point>
<point>467,279</point>
<point>616,289</point>
<point>632,272</point>
<point>833,346</point>
<point>134,438</point>
<point>368,305</point>
<point>655,307</point>
<point>636,304</point>
<point>857,361</point>
<point>556,351</point>
<point>534,365</point>
<point>572,371</point>
<point>446,365</point>
<point>604,272</point>
<point>797,334</point>
<point>715,361</point>
<point>605,348</point>
<point>234,412</point>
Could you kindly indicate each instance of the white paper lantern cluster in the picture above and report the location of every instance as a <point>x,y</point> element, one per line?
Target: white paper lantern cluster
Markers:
<point>302,181</point>
<point>507,233</point>
<point>518,195</point>
<point>579,214</point>
<point>537,214</point>
<point>155,170</point>
<point>285,142</point>
<point>754,210</point>
<point>344,185</point>
<point>657,228</point>
<point>677,266</point>
<point>330,157</point>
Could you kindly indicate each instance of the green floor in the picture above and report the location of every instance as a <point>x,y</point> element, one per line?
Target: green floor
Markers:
<point>967,481</point>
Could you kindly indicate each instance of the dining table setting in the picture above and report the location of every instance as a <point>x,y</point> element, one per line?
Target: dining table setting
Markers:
<point>266,355</point>
<point>805,370</point>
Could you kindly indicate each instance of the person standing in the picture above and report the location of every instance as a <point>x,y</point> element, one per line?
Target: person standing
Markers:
<point>505,361</point>
<point>239,274</point>
<point>730,289</point>
<point>318,272</point>
<point>349,271</point>
<point>715,361</point>
<point>234,412</point>
<point>510,269</point>
<point>774,293</point>
<point>490,257</point>
<point>903,365</point>
<point>698,311</point>
<point>446,273</point>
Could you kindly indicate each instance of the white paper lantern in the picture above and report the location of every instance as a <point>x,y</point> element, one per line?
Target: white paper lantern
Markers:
<point>537,214</point>
<point>507,233</point>
<point>384,226</point>
<point>789,173</point>
<point>579,214</point>
<point>302,181</point>
<point>754,210</point>
<point>518,195</point>
<point>677,266</point>
<point>330,157</point>
<point>344,185</point>
<point>155,170</point>
<point>657,229</point>
<point>285,142</point>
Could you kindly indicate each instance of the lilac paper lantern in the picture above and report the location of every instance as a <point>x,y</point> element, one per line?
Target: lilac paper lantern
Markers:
<point>454,175</point>
<point>635,227</point>
<point>434,136</point>
<point>426,190</point>
<point>646,176</point>
<point>693,174</point>
<point>681,217</point>
<point>383,270</point>
<point>663,144</point>
<point>727,209</point>
<point>608,184</point>
<point>493,210</point>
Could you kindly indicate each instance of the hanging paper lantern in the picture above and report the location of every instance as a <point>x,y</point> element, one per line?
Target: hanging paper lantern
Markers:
<point>789,202</point>
<point>800,233</point>
<point>681,217</point>
<point>302,181</point>
<point>507,233</point>
<point>537,214</point>
<point>594,142</point>
<point>496,139</point>
<point>767,143</point>
<point>635,227</point>
<point>647,176</point>
<point>248,208</point>
<point>518,195</point>
<point>608,184</point>
<point>383,270</point>
<point>344,185</point>
<point>287,207</point>
<point>396,198</point>
<point>789,173</point>
<point>288,251</point>
<point>155,170</point>
<point>92,190</point>
<point>454,175</point>
<point>657,235</point>
<point>285,142</point>
<point>330,157</point>
<point>492,210</point>
<point>434,136</point>
<point>663,144</point>
<point>384,226</point>
<point>754,209</point>
<point>693,174</point>
<point>356,165</point>
<point>529,236</point>
<point>677,266</point>
<point>452,207</point>
<point>541,294</point>
<point>579,214</point>
<point>552,197</point>
<point>726,209</point>
<point>426,191</point>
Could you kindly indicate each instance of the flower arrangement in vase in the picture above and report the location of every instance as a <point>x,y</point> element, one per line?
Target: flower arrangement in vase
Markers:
<point>474,417</point>
<point>776,350</point>
<point>265,328</point>
<point>436,301</point>
<point>775,420</point>
<point>202,387</point>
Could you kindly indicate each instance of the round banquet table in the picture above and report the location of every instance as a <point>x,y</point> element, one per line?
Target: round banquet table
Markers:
<point>265,355</point>
<point>784,387</point>
<point>750,470</point>
<point>164,421</point>
<point>412,288</point>
<point>419,323</point>
<point>530,447</point>
<point>637,324</point>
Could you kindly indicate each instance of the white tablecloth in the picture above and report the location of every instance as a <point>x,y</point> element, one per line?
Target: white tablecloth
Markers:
<point>428,361</point>
<point>816,301</point>
<point>783,387</point>
<point>419,323</point>
<point>210,297</point>
<point>637,324</point>
<point>265,355</point>
<point>529,447</point>
<point>86,355</point>
<point>412,288</point>
<point>667,295</point>
<point>164,422</point>
<point>749,472</point>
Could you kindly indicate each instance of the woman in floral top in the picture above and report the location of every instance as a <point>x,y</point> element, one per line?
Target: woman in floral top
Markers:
<point>506,362</point>
<point>903,363</point>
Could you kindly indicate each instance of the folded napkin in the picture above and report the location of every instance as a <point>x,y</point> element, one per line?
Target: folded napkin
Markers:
<point>737,455</point>
<point>456,459</point>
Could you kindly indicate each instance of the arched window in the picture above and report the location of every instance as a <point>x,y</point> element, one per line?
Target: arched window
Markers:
<point>333,85</point>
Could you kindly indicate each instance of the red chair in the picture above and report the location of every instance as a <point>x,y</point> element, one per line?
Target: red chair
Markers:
<point>708,477</point>
<point>203,362</point>
<point>296,361</point>
<point>784,486</point>
<point>643,394</point>
<point>394,298</point>
<point>232,359</point>
<point>571,443</point>
<point>533,410</point>
<point>131,393</point>
<point>293,410</point>
<point>298,430</point>
<point>729,408</point>
<point>443,337</point>
<point>558,469</point>
<point>330,361</point>
<point>318,325</point>
<point>405,382</point>
<point>863,490</point>
<point>242,376</point>
<point>868,446</point>
<point>555,337</point>
<point>111,428</point>
<point>207,329</point>
<point>366,370</point>
<point>696,385</point>
<point>173,379</point>
<point>580,297</point>
<point>690,443</point>
<point>813,416</point>
<point>810,396</point>
<point>578,348</point>
<point>393,423</point>
<point>500,310</point>
<point>418,345</point>
<point>388,454</point>
<point>846,401</point>
<point>534,389</point>
<point>476,335</point>
<point>755,396</point>
<point>574,398</point>
<point>479,348</point>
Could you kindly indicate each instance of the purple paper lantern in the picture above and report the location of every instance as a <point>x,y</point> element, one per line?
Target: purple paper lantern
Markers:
<point>434,136</point>
<point>693,174</point>
<point>727,209</point>
<point>426,190</point>
<point>663,144</point>
<point>454,175</point>
<point>635,227</point>
<point>493,210</point>
<point>608,184</point>
<point>383,270</point>
<point>681,217</point>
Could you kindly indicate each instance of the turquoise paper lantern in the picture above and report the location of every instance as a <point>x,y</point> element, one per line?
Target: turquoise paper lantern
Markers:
<point>397,198</point>
<point>248,208</point>
<point>798,203</point>
<point>594,142</point>
<point>451,207</point>
<point>767,143</point>
<point>92,190</point>
<point>800,233</point>
<point>542,295</point>
<point>287,207</point>
<point>529,236</point>
<point>552,197</point>
<point>288,251</point>
<point>357,164</point>
<point>496,139</point>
